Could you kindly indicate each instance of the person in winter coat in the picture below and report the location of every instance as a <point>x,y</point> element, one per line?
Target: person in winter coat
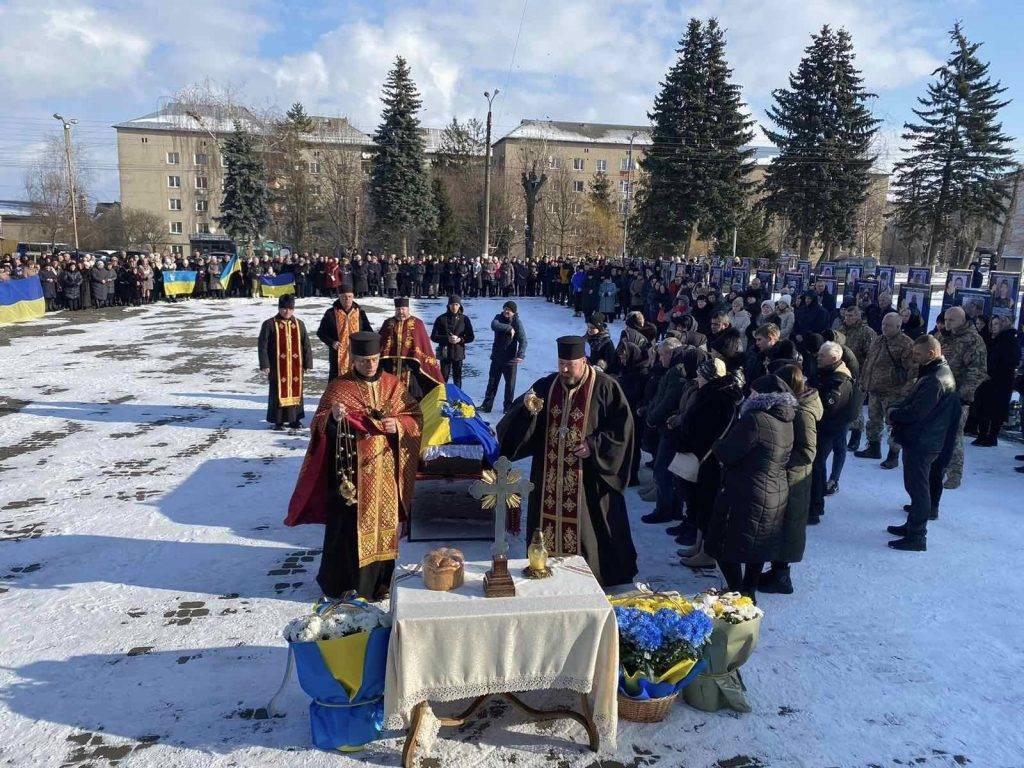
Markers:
<point>810,318</point>
<point>840,400</point>
<point>452,331</point>
<point>507,352</point>
<point>967,357</point>
<point>739,318</point>
<point>925,423</point>
<point>706,416</point>
<point>798,472</point>
<point>859,337</point>
<point>703,308</point>
<point>71,283</point>
<point>602,351</point>
<point>608,298</point>
<point>631,373</point>
<point>992,399</point>
<point>755,364</point>
<point>913,324</point>
<point>888,374</point>
<point>786,317</point>
<point>746,525</point>
<point>633,332</point>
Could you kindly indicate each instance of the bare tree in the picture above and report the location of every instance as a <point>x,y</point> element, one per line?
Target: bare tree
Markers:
<point>562,211</point>
<point>47,188</point>
<point>340,190</point>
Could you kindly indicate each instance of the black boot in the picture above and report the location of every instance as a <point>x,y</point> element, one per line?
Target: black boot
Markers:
<point>893,459</point>
<point>910,544</point>
<point>854,443</point>
<point>897,530</point>
<point>776,582</point>
<point>656,517</point>
<point>831,487</point>
<point>872,451</point>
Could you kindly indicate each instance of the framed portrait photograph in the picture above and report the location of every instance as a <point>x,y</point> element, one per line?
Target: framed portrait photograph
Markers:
<point>865,291</point>
<point>764,264</point>
<point>715,277</point>
<point>767,278</point>
<point>919,275</point>
<point>739,279</point>
<point>956,280</point>
<point>831,284</point>
<point>745,263</point>
<point>886,275</point>
<point>804,268</point>
<point>916,297</point>
<point>853,273</point>
<point>826,269</point>
<point>1005,288</point>
<point>977,302</point>
<point>793,283</point>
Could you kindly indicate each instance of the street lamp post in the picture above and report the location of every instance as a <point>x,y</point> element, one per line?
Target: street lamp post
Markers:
<point>487,174</point>
<point>71,172</point>
<point>629,189</point>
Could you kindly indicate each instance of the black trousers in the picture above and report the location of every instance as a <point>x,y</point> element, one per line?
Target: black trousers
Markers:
<point>452,371</point>
<point>497,371</point>
<point>917,477</point>
<point>742,577</point>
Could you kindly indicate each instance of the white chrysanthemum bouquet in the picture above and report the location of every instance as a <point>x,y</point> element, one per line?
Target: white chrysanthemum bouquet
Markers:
<point>340,624</point>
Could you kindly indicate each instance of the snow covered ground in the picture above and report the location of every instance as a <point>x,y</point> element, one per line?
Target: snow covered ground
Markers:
<point>145,576</point>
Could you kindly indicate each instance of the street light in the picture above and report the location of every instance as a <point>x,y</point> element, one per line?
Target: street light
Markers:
<point>71,173</point>
<point>629,188</point>
<point>487,174</point>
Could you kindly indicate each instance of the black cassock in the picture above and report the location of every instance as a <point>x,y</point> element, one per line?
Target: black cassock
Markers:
<point>603,534</point>
<point>270,358</point>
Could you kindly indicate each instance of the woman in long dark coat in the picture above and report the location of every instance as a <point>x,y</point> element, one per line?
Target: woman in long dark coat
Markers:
<point>992,398</point>
<point>71,282</point>
<point>746,525</point>
<point>709,412</point>
<point>805,445</point>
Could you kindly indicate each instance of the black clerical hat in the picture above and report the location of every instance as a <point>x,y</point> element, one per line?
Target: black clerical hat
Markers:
<point>364,343</point>
<point>286,302</point>
<point>346,287</point>
<point>571,347</point>
<point>401,301</point>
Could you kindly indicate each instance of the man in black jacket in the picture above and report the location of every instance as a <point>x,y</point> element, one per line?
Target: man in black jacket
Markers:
<point>925,424</point>
<point>452,332</point>
<point>507,351</point>
<point>840,401</point>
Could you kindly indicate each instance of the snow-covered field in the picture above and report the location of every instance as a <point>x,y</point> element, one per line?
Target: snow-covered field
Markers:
<point>145,576</point>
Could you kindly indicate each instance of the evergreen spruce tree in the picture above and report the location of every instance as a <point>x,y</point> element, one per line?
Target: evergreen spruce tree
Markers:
<point>243,208</point>
<point>824,131</point>
<point>443,237</point>
<point>399,183</point>
<point>731,159</point>
<point>298,119</point>
<point>957,151</point>
<point>669,205</point>
<point>601,192</point>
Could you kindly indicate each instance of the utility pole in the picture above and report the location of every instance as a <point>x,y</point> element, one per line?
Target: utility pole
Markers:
<point>629,189</point>
<point>71,172</point>
<point>487,174</point>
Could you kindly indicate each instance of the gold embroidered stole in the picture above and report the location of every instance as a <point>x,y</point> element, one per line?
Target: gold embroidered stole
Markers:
<point>346,324</point>
<point>562,492</point>
<point>289,362</point>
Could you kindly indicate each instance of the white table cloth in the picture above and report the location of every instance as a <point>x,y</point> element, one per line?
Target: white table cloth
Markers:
<point>556,633</point>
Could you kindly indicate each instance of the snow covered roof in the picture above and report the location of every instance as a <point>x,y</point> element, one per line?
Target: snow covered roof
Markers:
<point>17,208</point>
<point>584,133</point>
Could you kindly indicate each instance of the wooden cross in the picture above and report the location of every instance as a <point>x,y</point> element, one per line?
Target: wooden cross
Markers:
<point>500,488</point>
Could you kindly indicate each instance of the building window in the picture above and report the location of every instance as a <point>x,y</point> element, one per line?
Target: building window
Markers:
<point>175,228</point>
<point>145,140</point>
<point>174,181</point>
<point>554,163</point>
<point>577,163</point>
<point>173,158</point>
<point>577,186</point>
<point>624,187</point>
<point>174,204</point>
<point>576,208</point>
<point>623,205</point>
<point>602,166</point>
<point>202,228</point>
<point>202,159</point>
<point>202,206</point>
<point>178,250</point>
<point>626,163</point>
<point>223,162</point>
<point>202,182</point>
<point>314,166</point>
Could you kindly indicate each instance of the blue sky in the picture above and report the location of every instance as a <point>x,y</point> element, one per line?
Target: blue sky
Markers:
<point>104,61</point>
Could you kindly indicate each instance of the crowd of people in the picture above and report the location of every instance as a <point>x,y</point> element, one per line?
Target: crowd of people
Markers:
<point>748,406</point>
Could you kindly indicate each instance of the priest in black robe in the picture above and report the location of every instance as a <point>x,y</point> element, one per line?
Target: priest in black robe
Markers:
<point>359,474</point>
<point>577,427</point>
<point>285,355</point>
<point>342,319</point>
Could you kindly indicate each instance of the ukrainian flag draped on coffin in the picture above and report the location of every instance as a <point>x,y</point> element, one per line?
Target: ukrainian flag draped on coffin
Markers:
<point>21,300</point>
<point>180,282</point>
<point>450,418</point>
<point>277,285</point>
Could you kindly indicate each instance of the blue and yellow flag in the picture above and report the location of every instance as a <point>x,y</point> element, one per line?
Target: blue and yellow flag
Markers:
<point>450,418</point>
<point>179,282</point>
<point>21,300</point>
<point>277,285</point>
<point>229,269</point>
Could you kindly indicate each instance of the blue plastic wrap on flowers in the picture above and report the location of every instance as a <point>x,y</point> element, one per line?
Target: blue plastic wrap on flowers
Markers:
<point>345,678</point>
<point>641,688</point>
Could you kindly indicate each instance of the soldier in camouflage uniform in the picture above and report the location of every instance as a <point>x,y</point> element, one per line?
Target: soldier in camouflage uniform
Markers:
<point>859,338</point>
<point>887,376</point>
<point>965,351</point>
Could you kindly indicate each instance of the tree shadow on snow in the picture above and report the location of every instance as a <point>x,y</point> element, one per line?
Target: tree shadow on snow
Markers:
<point>147,416</point>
